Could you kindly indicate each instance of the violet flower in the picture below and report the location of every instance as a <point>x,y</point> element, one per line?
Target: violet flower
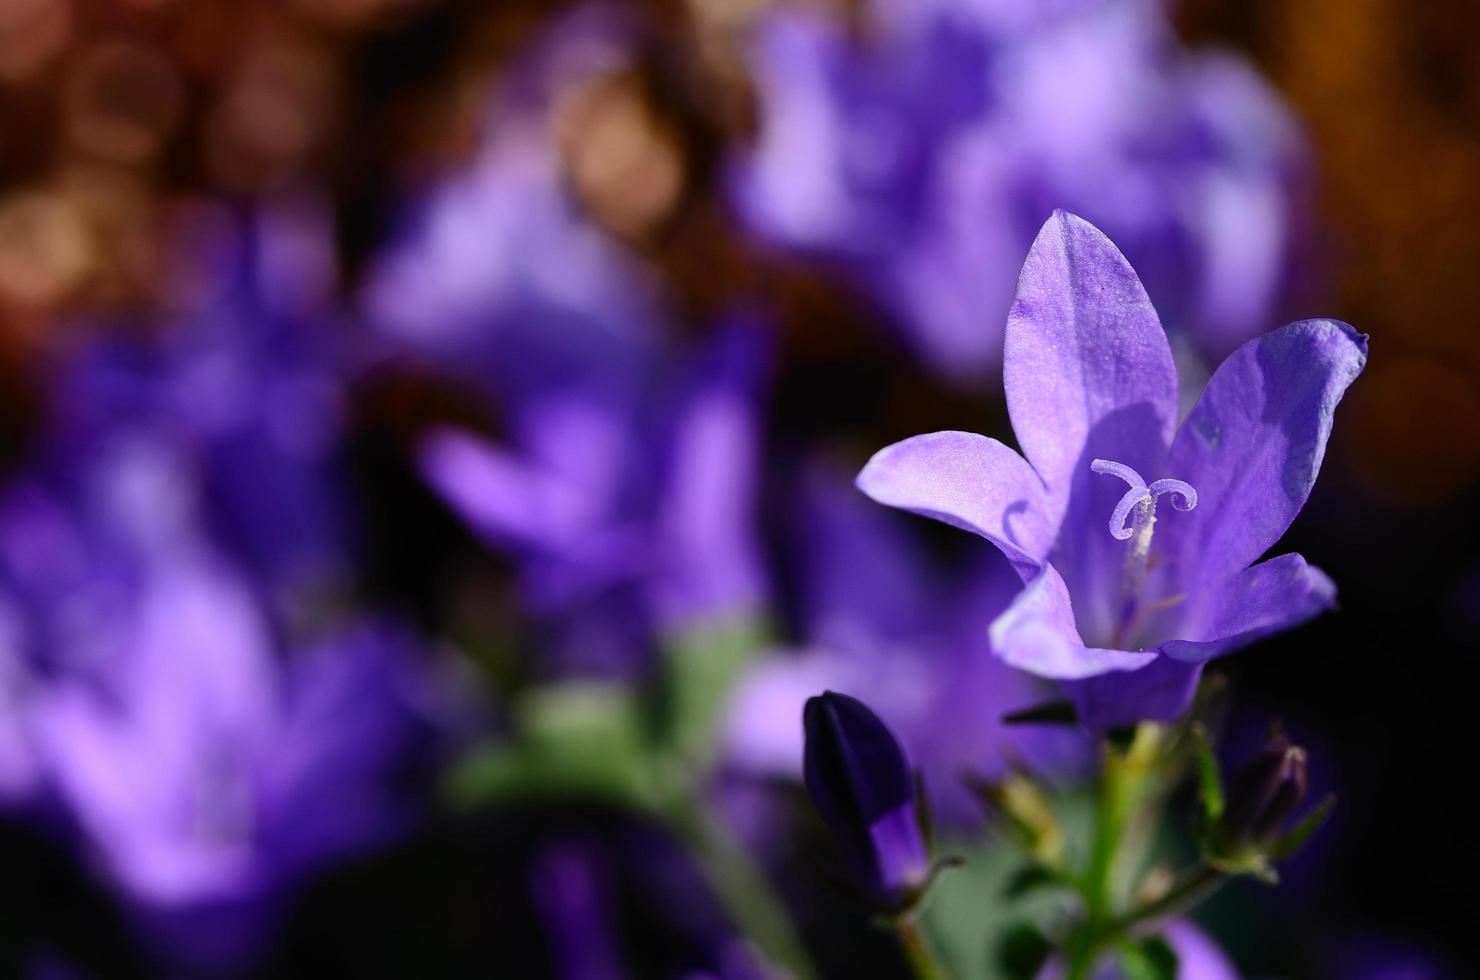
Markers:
<point>921,157</point>
<point>1126,616</point>
<point>629,504</point>
<point>862,785</point>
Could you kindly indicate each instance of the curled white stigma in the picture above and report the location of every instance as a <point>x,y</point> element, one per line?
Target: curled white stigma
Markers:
<point>1184,495</point>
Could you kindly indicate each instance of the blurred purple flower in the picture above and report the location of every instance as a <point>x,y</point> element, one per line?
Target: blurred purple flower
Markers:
<point>209,777</point>
<point>503,245</point>
<point>572,889</point>
<point>1369,956</point>
<point>880,623</point>
<point>924,156</point>
<point>205,750</point>
<point>252,382</point>
<point>645,500</point>
<point>1092,393</point>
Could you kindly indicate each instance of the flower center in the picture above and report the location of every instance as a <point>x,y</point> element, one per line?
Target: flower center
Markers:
<point>1139,505</point>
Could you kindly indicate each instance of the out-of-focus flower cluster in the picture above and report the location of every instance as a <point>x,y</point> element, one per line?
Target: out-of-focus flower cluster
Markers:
<point>384,376</point>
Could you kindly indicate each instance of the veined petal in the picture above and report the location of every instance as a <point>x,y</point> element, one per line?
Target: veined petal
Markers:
<point>1037,634</point>
<point>1087,368</point>
<point>1253,445</point>
<point>1159,690</point>
<point>970,482</point>
<point>1271,596</point>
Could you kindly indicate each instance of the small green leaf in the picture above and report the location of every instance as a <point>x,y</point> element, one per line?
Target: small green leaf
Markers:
<point>1209,781</point>
<point>1288,845</point>
<point>1152,959</point>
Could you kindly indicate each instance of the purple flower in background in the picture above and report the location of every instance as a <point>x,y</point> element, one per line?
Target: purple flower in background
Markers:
<point>923,157</point>
<point>208,776</point>
<point>879,621</point>
<point>503,244</point>
<point>252,380</point>
<point>861,783</point>
<point>1128,616</point>
<point>622,501</point>
<point>203,751</point>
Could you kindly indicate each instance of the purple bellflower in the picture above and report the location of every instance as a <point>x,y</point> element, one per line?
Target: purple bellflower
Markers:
<point>1121,603</point>
<point>920,158</point>
<point>862,785</point>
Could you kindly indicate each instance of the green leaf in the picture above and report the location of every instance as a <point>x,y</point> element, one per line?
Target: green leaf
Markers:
<point>1209,781</point>
<point>699,669</point>
<point>1152,959</point>
<point>577,740</point>
<point>1029,811</point>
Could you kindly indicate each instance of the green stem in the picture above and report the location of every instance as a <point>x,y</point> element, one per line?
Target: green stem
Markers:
<point>1123,786</point>
<point>743,890</point>
<point>917,949</point>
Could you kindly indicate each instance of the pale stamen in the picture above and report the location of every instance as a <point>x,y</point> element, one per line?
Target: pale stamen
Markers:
<point>1139,505</point>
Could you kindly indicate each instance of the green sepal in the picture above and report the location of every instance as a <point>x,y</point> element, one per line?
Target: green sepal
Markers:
<point>1030,814</point>
<point>1048,713</point>
<point>1290,844</point>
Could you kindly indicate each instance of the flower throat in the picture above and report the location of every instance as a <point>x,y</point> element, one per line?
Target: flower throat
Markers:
<point>1139,506</point>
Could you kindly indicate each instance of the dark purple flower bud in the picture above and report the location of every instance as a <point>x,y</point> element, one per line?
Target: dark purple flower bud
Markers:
<point>861,783</point>
<point>1265,794</point>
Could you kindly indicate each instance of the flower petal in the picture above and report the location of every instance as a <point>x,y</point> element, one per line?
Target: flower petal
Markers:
<point>1088,375</point>
<point>504,498</point>
<point>970,482</point>
<point>1087,368</point>
<point>1037,634</point>
<point>1252,447</point>
<point>1159,691</point>
<point>706,519</point>
<point>1272,596</point>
